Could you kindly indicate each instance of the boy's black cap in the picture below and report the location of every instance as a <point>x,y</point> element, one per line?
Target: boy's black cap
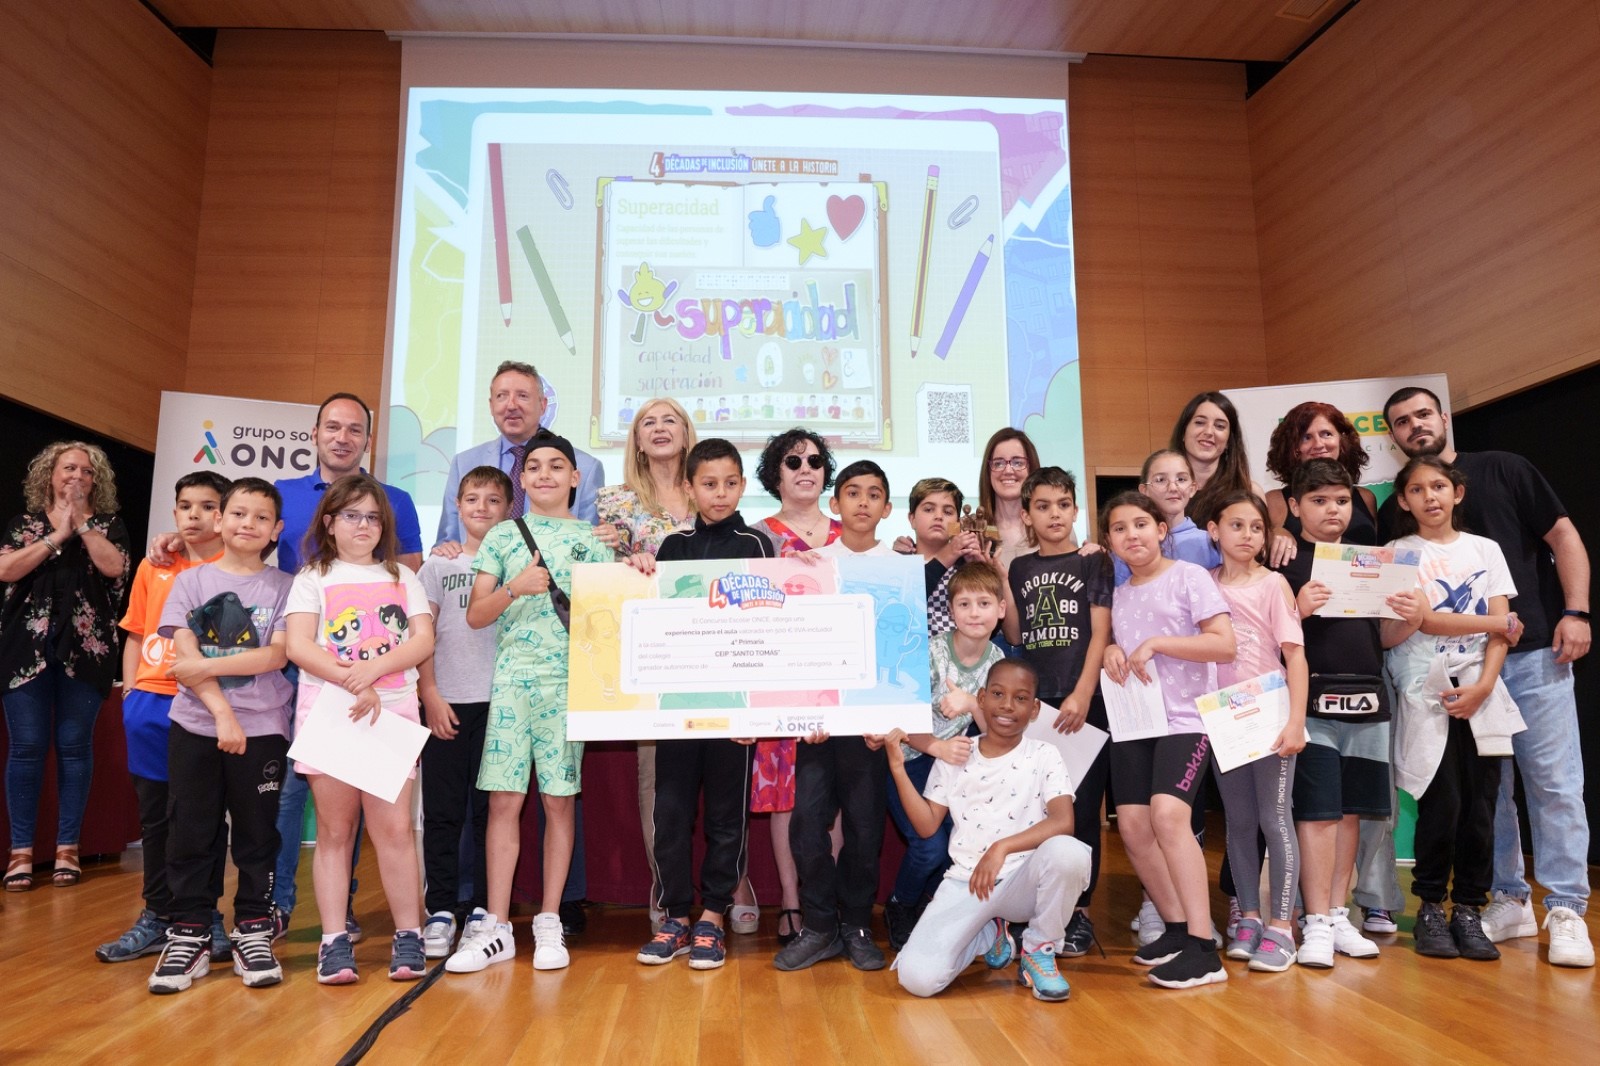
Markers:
<point>545,439</point>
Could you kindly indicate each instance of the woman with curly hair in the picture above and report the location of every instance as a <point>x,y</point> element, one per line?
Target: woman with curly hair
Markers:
<point>65,565</point>
<point>1314,430</point>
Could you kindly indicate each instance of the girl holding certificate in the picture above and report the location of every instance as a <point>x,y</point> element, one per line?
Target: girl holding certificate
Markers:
<point>1454,718</point>
<point>1257,795</point>
<point>359,620</point>
<point>1170,624</point>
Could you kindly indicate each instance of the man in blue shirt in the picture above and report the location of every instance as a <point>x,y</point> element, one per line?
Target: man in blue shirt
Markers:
<point>517,404</point>
<point>344,424</point>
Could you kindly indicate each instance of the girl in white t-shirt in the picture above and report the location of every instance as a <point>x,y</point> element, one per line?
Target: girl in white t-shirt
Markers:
<point>1453,717</point>
<point>358,620</point>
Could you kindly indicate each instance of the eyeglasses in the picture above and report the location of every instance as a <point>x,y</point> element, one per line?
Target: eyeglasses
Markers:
<point>1177,481</point>
<point>360,518</point>
<point>814,461</point>
<point>1017,462</point>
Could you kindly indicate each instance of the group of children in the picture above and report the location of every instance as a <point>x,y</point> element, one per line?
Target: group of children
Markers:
<point>476,647</point>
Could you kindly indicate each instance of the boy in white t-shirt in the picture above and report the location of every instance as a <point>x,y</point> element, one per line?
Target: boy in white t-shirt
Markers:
<point>1012,854</point>
<point>861,500</point>
<point>454,689</point>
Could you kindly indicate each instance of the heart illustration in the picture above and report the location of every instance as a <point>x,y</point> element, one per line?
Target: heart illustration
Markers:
<point>828,380</point>
<point>830,355</point>
<point>846,214</point>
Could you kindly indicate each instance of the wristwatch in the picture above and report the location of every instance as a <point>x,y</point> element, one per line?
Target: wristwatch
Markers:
<point>81,530</point>
<point>1572,612</point>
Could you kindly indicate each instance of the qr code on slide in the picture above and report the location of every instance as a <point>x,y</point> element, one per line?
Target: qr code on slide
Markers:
<point>946,415</point>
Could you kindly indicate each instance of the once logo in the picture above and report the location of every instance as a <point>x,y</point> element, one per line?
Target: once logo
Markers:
<point>209,450</point>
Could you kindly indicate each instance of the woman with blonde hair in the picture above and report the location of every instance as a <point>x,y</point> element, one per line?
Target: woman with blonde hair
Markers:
<point>64,562</point>
<point>652,501</point>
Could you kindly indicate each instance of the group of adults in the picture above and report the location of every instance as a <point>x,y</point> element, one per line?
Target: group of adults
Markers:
<point>65,562</point>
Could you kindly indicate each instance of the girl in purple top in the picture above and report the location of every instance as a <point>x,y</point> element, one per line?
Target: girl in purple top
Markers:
<point>1169,624</point>
<point>1256,796</point>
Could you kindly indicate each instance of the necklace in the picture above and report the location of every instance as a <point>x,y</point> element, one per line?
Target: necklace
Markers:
<point>809,532</point>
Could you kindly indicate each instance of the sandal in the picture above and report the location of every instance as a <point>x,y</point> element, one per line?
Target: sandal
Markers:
<point>19,871</point>
<point>67,872</point>
<point>795,925</point>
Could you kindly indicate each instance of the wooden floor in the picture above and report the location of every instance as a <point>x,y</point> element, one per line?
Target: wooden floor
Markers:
<point>61,1006</point>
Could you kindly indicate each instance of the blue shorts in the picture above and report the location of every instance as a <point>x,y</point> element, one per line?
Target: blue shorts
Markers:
<point>144,719</point>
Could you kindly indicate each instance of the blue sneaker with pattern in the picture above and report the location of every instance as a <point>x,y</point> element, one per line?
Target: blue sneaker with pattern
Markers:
<point>1000,951</point>
<point>336,962</point>
<point>707,947</point>
<point>147,936</point>
<point>1037,970</point>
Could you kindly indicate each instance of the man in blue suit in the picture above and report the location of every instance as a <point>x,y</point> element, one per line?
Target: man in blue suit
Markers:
<point>517,405</point>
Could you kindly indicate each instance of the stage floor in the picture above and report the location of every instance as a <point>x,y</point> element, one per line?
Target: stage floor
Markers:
<point>63,1006</point>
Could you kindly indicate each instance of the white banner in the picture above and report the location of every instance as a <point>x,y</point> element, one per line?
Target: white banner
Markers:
<point>234,437</point>
<point>1361,400</point>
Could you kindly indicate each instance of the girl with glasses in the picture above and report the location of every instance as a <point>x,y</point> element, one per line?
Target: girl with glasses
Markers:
<point>359,620</point>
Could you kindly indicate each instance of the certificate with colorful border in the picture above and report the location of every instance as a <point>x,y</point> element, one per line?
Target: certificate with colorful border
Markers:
<point>748,648</point>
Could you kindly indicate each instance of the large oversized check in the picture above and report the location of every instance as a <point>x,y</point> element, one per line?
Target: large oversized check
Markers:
<point>748,648</point>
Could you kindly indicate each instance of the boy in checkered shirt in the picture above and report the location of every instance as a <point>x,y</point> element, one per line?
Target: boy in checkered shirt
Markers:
<point>936,520</point>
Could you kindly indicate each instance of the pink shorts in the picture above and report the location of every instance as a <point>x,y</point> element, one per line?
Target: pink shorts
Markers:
<point>405,706</point>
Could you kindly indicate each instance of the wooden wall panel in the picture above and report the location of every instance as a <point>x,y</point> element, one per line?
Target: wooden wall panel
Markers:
<point>293,270</point>
<point>104,131</point>
<point>1169,294</point>
<point>1427,192</point>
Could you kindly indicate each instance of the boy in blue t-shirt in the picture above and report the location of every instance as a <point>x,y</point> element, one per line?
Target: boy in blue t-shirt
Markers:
<point>229,741</point>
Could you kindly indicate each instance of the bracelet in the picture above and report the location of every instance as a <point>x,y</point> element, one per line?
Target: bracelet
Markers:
<point>1572,612</point>
<point>509,593</point>
<point>48,543</point>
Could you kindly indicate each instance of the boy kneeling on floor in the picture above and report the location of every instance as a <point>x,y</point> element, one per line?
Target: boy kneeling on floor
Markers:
<point>1012,854</point>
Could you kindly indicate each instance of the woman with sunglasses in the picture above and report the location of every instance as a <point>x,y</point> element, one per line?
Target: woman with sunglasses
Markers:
<point>797,468</point>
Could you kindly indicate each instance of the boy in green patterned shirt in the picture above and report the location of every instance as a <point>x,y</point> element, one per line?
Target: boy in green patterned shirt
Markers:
<point>524,566</point>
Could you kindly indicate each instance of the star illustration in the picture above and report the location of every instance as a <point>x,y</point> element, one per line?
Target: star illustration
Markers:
<point>809,241</point>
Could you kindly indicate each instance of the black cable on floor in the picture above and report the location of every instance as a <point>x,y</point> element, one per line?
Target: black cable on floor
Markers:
<point>399,1007</point>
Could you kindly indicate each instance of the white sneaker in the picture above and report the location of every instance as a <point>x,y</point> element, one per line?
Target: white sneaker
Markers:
<point>1149,923</point>
<point>1507,918</point>
<point>495,944</point>
<point>1347,939</point>
<point>1316,943</point>
<point>549,946</point>
<point>437,933</point>
<point>1569,938</point>
<point>476,925</point>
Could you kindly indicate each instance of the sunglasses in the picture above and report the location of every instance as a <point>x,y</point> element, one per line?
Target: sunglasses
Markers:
<point>814,461</point>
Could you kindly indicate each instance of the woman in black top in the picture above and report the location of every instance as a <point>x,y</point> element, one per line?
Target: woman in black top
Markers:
<point>65,565</point>
<point>1320,431</point>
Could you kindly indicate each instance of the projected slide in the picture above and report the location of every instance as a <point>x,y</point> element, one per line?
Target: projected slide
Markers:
<point>895,273</point>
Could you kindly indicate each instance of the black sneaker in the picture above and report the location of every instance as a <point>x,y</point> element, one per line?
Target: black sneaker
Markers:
<point>186,958</point>
<point>1197,964</point>
<point>808,949</point>
<point>859,947</point>
<point>1432,933</point>
<point>1078,937</point>
<point>574,919</point>
<point>901,918</point>
<point>1163,948</point>
<point>253,959</point>
<point>1466,928</point>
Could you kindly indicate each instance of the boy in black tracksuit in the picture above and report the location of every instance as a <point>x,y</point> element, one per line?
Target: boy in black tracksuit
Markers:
<point>717,769</point>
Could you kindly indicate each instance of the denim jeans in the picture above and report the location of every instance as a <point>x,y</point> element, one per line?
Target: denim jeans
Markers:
<point>50,705</point>
<point>926,858</point>
<point>1551,765</point>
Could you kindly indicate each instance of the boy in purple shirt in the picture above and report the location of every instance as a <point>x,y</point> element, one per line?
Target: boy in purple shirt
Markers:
<point>229,743</point>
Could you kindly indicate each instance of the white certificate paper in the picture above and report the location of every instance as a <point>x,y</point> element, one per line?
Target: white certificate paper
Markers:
<point>1135,710</point>
<point>1244,720</point>
<point>1078,750</point>
<point>1360,578</point>
<point>375,757</point>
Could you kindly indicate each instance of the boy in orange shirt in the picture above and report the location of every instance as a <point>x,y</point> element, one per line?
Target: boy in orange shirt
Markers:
<point>147,692</point>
